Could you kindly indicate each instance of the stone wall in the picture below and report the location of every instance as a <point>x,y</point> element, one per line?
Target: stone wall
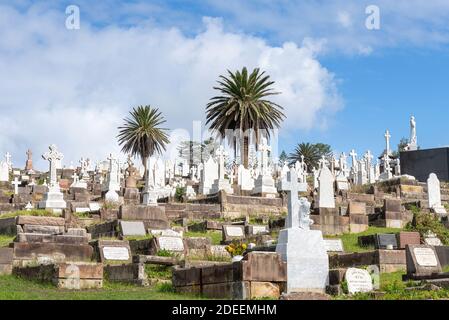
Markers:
<point>260,274</point>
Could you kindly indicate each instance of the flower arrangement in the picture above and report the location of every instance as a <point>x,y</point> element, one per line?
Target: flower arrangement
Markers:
<point>236,248</point>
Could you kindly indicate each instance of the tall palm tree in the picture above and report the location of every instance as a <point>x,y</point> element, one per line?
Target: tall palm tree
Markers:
<point>310,152</point>
<point>141,134</point>
<point>243,105</point>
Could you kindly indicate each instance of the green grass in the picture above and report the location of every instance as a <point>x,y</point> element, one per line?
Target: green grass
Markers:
<point>350,241</point>
<point>6,240</point>
<point>154,271</point>
<point>215,236</point>
<point>32,212</point>
<point>13,288</point>
<point>394,288</point>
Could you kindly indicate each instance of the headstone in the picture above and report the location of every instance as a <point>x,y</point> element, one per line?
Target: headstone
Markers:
<point>434,194</point>
<point>114,251</point>
<point>358,280</point>
<point>94,206</point>
<point>303,249</point>
<point>113,180</point>
<point>208,175</point>
<point>334,245</point>
<point>4,172</point>
<point>264,184</point>
<point>172,244</point>
<point>166,233</point>
<point>432,240</point>
<point>29,162</point>
<point>132,228</point>
<point>422,260</point>
<point>409,238</point>
<point>326,189</point>
<point>232,232</point>
<point>54,198</point>
<point>384,241</point>
<point>221,183</point>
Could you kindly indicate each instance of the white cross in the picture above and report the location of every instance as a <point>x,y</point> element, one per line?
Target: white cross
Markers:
<point>221,153</point>
<point>353,155</point>
<point>16,184</point>
<point>290,185</point>
<point>53,156</point>
<point>323,161</point>
<point>387,140</point>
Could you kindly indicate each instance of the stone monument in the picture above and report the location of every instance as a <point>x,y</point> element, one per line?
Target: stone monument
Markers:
<point>53,199</point>
<point>303,249</point>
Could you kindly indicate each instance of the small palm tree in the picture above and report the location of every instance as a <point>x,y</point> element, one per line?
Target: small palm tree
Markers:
<point>141,134</point>
<point>309,151</point>
<point>243,105</point>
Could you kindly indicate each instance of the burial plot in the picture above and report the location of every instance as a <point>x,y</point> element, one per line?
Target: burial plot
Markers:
<point>422,260</point>
<point>358,280</point>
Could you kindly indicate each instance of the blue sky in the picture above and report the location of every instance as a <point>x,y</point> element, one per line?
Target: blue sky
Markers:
<point>342,84</point>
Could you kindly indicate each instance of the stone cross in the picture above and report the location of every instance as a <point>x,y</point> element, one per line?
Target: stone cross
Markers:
<point>53,156</point>
<point>290,185</point>
<point>264,149</point>
<point>387,141</point>
<point>221,153</point>
<point>75,177</point>
<point>16,184</point>
<point>353,155</point>
<point>8,160</point>
<point>323,162</point>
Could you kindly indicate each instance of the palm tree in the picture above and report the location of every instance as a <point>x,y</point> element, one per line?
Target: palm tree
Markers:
<point>141,134</point>
<point>243,105</point>
<point>309,151</point>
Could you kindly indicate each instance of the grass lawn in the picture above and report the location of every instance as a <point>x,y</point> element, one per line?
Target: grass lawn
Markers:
<point>6,240</point>
<point>215,236</point>
<point>13,288</point>
<point>350,241</point>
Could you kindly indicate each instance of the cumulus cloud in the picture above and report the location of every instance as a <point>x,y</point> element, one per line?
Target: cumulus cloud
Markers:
<point>73,87</point>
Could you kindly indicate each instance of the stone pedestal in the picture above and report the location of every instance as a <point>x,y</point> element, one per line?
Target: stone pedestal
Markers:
<point>150,198</point>
<point>307,260</point>
<point>53,200</point>
<point>132,195</point>
<point>222,184</point>
<point>264,186</point>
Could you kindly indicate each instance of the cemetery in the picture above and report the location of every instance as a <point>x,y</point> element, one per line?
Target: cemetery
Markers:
<point>222,229</point>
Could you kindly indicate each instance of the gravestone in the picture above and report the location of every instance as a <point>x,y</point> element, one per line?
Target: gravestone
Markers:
<point>114,250</point>
<point>334,245</point>
<point>384,241</point>
<point>53,199</point>
<point>165,233</point>
<point>172,244</point>
<point>422,260</point>
<point>255,230</point>
<point>358,280</point>
<point>303,249</point>
<point>132,228</point>
<point>409,238</point>
<point>233,232</point>
<point>432,240</point>
<point>326,188</point>
<point>434,194</point>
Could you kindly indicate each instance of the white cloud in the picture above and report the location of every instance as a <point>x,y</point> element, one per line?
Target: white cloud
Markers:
<point>73,88</point>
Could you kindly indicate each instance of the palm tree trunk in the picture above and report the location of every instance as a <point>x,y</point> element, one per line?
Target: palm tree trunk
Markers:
<point>145,165</point>
<point>245,152</point>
